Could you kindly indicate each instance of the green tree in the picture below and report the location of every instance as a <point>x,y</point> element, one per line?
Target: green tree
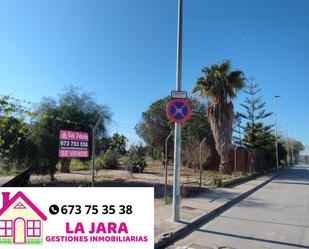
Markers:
<point>136,161</point>
<point>219,86</point>
<point>291,144</point>
<point>255,113</point>
<point>236,138</point>
<point>72,110</point>
<point>108,159</point>
<point>13,132</point>
<point>155,126</point>
<point>296,145</point>
<point>265,148</point>
<point>264,139</point>
<point>118,142</point>
<point>44,132</point>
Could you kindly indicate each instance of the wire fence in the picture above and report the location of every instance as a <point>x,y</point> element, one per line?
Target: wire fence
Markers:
<point>40,155</point>
<point>32,154</point>
<point>46,168</point>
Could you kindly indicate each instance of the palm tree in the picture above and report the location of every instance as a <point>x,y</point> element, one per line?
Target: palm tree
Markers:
<point>219,86</point>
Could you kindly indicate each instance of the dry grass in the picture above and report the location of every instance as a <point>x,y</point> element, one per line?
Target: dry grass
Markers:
<point>154,173</point>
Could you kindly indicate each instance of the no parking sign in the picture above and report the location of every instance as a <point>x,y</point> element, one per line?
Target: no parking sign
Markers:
<point>178,110</point>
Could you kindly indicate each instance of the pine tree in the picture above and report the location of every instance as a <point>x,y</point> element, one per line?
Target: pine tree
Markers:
<point>255,113</point>
<point>236,138</point>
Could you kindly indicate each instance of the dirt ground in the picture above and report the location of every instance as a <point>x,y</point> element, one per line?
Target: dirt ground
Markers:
<point>152,174</point>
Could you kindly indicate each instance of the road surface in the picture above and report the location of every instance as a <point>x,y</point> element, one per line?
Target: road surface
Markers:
<point>276,216</point>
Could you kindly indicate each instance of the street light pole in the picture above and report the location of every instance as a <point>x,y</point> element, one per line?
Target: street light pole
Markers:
<point>177,141</point>
<point>292,150</point>
<point>288,143</point>
<point>276,131</point>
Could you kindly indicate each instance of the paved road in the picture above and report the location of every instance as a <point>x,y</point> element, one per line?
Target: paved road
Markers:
<point>276,216</point>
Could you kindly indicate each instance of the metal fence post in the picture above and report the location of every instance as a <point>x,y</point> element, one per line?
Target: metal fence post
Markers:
<point>93,157</point>
<point>201,165</point>
<point>165,166</point>
<point>93,151</point>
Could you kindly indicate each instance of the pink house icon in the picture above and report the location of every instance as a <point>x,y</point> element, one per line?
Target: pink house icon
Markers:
<point>21,222</point>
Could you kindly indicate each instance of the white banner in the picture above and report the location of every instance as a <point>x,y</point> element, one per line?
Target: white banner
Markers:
<point>79,218</point>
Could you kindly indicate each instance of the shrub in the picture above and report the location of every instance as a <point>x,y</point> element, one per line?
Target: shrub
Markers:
<point>108,160</point>
<point>77,165</point>
<point>264,160</point>
<point>136,162</point>
<point>217,181</point>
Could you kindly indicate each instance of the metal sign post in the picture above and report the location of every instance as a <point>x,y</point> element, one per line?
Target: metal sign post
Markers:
<point>177,110</point>
<point>177,142</point>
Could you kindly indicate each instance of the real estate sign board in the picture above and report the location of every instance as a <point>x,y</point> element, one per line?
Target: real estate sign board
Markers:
<point>73,144</point>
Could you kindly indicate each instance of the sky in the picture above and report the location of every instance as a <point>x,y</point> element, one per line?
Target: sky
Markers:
<point>125,52</point>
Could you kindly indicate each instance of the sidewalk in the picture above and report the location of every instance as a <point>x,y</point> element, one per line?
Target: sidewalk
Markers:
<point>200,208</point>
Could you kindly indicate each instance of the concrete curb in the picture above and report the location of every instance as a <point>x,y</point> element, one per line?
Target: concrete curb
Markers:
<point>171,237</point>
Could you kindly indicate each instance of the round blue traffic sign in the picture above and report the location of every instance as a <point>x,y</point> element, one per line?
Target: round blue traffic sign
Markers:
<point>178,110</point>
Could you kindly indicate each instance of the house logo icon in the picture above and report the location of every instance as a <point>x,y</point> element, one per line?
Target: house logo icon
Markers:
<point>21,222</point>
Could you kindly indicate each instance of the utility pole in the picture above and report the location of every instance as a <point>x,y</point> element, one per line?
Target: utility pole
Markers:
<point>177,141</point>
<point>276,131</point>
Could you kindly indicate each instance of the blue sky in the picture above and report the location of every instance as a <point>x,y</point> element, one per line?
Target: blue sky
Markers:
<point>125,51</point>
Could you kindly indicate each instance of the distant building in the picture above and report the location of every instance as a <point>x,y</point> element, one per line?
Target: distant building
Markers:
<point>303,157</point>
<point>305,152</point>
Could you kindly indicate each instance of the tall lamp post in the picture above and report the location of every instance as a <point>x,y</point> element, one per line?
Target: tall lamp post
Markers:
<point>288,143</point>
<point>292,150</point>
<point>177,140</point>
<point>276,131</point>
